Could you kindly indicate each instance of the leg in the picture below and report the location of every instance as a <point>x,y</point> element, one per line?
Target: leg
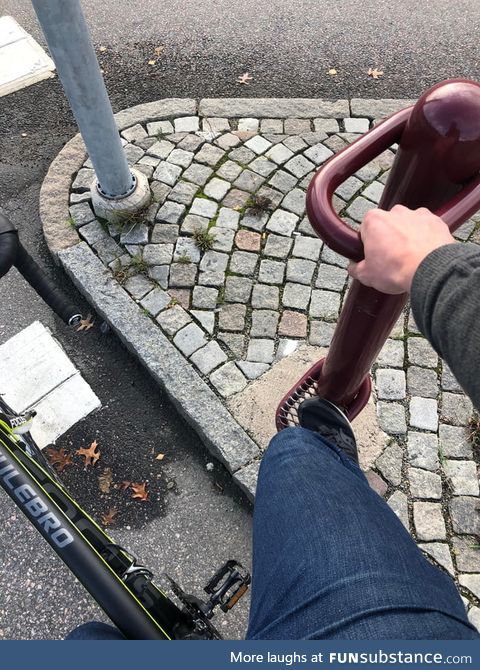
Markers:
<point>332,561</point>
<point>95,630</point>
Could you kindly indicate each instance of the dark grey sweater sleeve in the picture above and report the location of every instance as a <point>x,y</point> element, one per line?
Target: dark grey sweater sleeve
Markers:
<point>445,300</point>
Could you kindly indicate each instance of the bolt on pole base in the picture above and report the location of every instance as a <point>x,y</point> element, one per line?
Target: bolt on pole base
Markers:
<point>120,208</point>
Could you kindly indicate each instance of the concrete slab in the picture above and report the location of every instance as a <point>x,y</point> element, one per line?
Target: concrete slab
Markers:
<point>36,373</point>
<point>22,60</point>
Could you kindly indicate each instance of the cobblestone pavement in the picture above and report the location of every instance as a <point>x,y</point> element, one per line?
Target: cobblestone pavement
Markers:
<point>225,264</point>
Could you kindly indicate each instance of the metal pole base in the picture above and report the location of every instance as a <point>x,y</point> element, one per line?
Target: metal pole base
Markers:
<point>118,209</point>
<point>287,414</point>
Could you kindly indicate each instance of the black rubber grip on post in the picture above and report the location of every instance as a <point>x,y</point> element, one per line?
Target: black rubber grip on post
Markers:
<point>8,245</point>
<point>46,288</point>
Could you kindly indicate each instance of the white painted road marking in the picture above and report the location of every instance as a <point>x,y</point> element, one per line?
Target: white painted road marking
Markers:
<point>36,373</point>
<point>22,60</point>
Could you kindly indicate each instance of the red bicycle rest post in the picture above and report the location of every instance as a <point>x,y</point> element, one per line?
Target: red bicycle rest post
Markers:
<point>436,166</point>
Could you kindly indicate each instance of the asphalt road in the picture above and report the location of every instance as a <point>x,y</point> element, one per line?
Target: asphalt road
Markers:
<point>287,48</point>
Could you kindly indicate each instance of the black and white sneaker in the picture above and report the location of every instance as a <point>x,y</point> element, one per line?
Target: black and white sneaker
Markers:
<point>325,418</point>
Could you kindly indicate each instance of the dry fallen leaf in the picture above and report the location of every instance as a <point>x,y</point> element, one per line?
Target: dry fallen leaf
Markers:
<point>59,458</point>
<point>332,72</point>
<point>152,62</point>
<point>375,74</point>
<point>105,480</point>
<point>126,484</point>
<point>159,457</point>
<point>244,78</point>
<point>91,455</point>
<point>158,50</point>
<point>86,324</point>
<point>102,48</point>
<point>109,517</point>
<point>139,491</point>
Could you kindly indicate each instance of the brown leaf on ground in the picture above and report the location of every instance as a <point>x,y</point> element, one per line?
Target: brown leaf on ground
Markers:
<point>139,491</point>
<point>91,455</point>
<point>86,324</point>
<point>152,62</point>
<point>102,49</point>
<point>109,517</point>
<point>159,457</point>
<point>126,484</point>
<point>374,73</point>
<point>244,79</point>
<point>158,50</point>
<point>59,458</point>
<point>332,72</point>
<point>105,480</point>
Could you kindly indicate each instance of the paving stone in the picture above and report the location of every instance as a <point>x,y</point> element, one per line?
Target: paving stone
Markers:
<point>295,143</point>
<point>214,261</point>
<point>271,126</point>
<point>424,413</point>
<point>391,417</point>
<point>172,319</point>
<point>325,304</point>
<point>258,144</point>
<point>412,326</point>
<point>228,218</point>
<point>260,351</point>
<point>228,380</point>
<point>107,250</point>
<point>466,555</point>
<point>160,191</point>
<point>186,124</point>
<point>390,463</point>
<point>209,155</point>
<point>286,347</point>
<point>243,263</point>
<point>306,247</point>
<point>138,286</point>
<point>180,296</point>
<point>238,289</point>
<point>186,247</point>
<point>182,275</point>
<point>150,161</point>
<point>356,125</point>
<point>398,503</point>
<point>75,198</point>
<point>264,323</point>
<point>332,258</point>
<point>204,207</point>
<point>167,173</point>
<point>81,213</point>
<point>234,341</point>
<point>474,617</point>
<point>158,254</point>
<point>296,295</point>
<point>440,552</point>
<point>255,220</point>
<point>93,232</point>
<point>252,370</point>
<point>229,171</point>
<point>236,199</point>
<point>390,384</point>
<point>369,172</point>
<point>295,202</point>
<point>464,515</point>
<point>242,155</point>
<point>147,170</point>
<point>456,409</point>
<point>293,324</point>
<point>299,166</point>
<point>159,127</point>
<point>83,180</point>
<point>228,141</point>
<point>326,125</point>
<point>359,207</point>
<point>283,181</point>
<point>374,192</point>
<point>422,382</point>
<point>454,441</point>
<point>208,357</point>
<point>421,353</point>
<point>183,193</point>
<point>232,317</point>
<point>271,272</point>
<point>170,212</point>
<point>265,297</point>
<point>207,319</point>
<point>133,153</point>
<point>198,174</point>
<point>249,181</point>
<point>300,271</point>
<point>464,232</point>
<point>464,478</point>
<point>223,239</point>
<point>155,301</point>
<point>248,241</point>
<point>189,339</point>
<point>397,332</point>
<point>217,188</point>
<point>296,126</point>
<point>277,246</point>
<point>335,143</point>
<point>330,277</point>
<point>192,223</point>
<point>181,157</point>
<point>279,153</point>
<point>205,297</point>
<point>282,222</point>
<point>376,482</point>
<point>160,273</point>
<point>391,354</point>
<point>428,520</point>
<point>321,333</point>
<point>471,582</point>
<point>161,149</point>
<point>248,125</point>
<point>424,484</point>
<point>318,153</point>
<point>422,450</point>
<point>262,166</point>
<point>449,382</point>
<point>191,142</point>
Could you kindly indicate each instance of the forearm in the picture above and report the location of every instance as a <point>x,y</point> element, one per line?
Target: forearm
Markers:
<point>445,298</point>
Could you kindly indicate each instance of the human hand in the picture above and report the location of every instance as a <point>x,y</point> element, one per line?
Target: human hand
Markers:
<point>395,244</point>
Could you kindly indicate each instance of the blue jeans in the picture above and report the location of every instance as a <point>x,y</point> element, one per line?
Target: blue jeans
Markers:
<point>332,561</point>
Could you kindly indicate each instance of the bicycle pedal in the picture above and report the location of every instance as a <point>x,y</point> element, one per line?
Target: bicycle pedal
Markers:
<point>227,586</point>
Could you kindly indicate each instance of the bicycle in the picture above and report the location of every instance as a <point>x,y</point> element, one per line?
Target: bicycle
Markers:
<point>124,589</point>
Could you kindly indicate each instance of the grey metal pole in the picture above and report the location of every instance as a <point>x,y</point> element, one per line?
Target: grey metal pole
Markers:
<point>66,31</point>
